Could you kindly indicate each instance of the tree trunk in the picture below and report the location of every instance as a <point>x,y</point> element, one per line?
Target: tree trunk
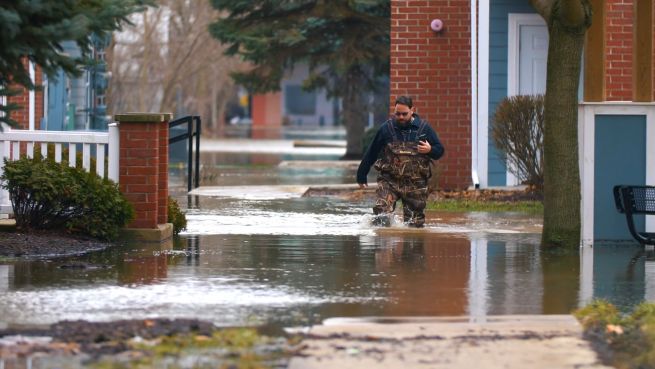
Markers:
<point>354,114</point>
<point>561,164</point>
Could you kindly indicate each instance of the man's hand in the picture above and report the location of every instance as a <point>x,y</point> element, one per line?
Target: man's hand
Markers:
<point>424,147</point>
<point>362,185</point>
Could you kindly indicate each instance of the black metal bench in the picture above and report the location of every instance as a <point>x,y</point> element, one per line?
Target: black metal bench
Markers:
<point>636,200</point>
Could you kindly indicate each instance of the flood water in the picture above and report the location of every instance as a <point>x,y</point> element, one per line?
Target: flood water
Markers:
<point>255,254</point>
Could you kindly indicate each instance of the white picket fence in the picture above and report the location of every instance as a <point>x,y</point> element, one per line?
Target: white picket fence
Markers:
<point>106,144</point>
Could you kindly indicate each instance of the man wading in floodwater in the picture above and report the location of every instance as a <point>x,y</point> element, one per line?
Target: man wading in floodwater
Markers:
<point>410,145</point>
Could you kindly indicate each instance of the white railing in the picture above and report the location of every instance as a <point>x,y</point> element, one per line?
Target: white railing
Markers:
<point>12,142</point>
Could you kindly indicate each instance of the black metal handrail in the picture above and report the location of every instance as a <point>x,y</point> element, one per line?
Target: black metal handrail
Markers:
<point>193,131</point>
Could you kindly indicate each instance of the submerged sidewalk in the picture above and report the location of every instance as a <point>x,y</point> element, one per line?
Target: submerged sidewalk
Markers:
<point>510,342</point>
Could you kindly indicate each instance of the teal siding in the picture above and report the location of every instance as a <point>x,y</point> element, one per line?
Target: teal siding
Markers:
<point>619,158</point>
<point>56,103</point>
<point>498,73</point>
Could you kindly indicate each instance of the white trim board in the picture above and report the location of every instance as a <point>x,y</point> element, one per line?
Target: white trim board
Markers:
<point>483,94</point>
<point>475,178</point>
<point>32,99</point>
<point>586,132</point>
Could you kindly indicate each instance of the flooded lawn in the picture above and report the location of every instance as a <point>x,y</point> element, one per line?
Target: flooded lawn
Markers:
<point>263,255</point>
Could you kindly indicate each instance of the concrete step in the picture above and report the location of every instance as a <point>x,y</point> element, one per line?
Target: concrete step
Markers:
<point>510,342</point>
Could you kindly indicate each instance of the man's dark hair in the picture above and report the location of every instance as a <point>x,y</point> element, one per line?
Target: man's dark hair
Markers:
<point>404,100</point>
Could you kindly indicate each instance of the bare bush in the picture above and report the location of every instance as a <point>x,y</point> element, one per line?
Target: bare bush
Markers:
<point>518,133</point>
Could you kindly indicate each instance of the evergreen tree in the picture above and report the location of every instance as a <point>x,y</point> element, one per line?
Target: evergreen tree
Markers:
<point>344,42</point>
<point>35,29</point>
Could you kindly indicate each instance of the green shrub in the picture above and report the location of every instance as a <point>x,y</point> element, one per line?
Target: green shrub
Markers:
<point>79,157</point>
<point>106,209</point>
<point>49,195</point>
<point>627,339</point>
<point>176,216</point>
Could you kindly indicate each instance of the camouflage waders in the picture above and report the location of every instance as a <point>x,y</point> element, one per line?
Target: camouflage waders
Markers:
<point>404,174</point>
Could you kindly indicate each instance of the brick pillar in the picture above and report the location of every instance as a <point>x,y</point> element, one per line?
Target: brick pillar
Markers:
<point>143,166</point>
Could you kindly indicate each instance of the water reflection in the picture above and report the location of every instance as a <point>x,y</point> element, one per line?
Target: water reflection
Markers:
<point>292,280</point>
<point>426,275</point>
<point>621,274</point>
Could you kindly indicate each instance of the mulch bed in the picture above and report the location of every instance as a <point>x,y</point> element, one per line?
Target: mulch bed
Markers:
<point>41,244</point>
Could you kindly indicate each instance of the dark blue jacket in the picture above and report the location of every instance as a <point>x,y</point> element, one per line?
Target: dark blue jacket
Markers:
<point>405,133</point>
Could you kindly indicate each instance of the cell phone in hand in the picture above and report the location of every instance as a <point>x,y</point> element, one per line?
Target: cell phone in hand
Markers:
<point>423,137</point>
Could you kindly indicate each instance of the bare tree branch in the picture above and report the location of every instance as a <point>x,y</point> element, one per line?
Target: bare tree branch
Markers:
<point>169,62</point>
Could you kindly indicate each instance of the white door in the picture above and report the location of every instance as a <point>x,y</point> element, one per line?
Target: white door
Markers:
<point>527,59</point>
<point>533,54</point>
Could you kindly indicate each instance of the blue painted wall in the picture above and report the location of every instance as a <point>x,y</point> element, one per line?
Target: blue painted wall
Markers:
<point>619,158</point>
<point>56,103</point>
<point>499,9</point>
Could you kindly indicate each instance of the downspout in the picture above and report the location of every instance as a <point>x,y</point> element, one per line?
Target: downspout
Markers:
<point>474,95</point>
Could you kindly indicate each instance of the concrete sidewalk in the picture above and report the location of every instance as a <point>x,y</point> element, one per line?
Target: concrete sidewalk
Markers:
<point>510,342</point>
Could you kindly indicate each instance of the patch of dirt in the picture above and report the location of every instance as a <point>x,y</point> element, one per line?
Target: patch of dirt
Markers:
<point>43,244</point>
<point>105,337</point>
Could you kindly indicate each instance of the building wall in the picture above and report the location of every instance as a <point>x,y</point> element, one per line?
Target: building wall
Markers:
<point>617,133</point>
<point>619,27</point>
<point>22,115</point>
<point>619,157</point>
<point>266,115</point>
<point>435,70</point>
<point>498,44</point>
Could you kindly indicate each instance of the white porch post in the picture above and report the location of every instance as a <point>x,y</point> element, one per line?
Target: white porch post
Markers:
<point>114,151</point>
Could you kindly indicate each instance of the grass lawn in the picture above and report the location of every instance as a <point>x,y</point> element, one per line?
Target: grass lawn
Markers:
<point>467,205</point>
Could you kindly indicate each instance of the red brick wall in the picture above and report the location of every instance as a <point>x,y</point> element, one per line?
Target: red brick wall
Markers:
<point>435,70</point>
<point>618,49</point>
<point>22,115</point>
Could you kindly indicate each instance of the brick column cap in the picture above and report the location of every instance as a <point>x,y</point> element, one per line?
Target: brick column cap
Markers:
<point>143,117</point>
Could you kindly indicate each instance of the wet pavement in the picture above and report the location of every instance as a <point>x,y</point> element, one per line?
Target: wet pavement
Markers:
<point>509,342</point>
<point>257,253</point>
